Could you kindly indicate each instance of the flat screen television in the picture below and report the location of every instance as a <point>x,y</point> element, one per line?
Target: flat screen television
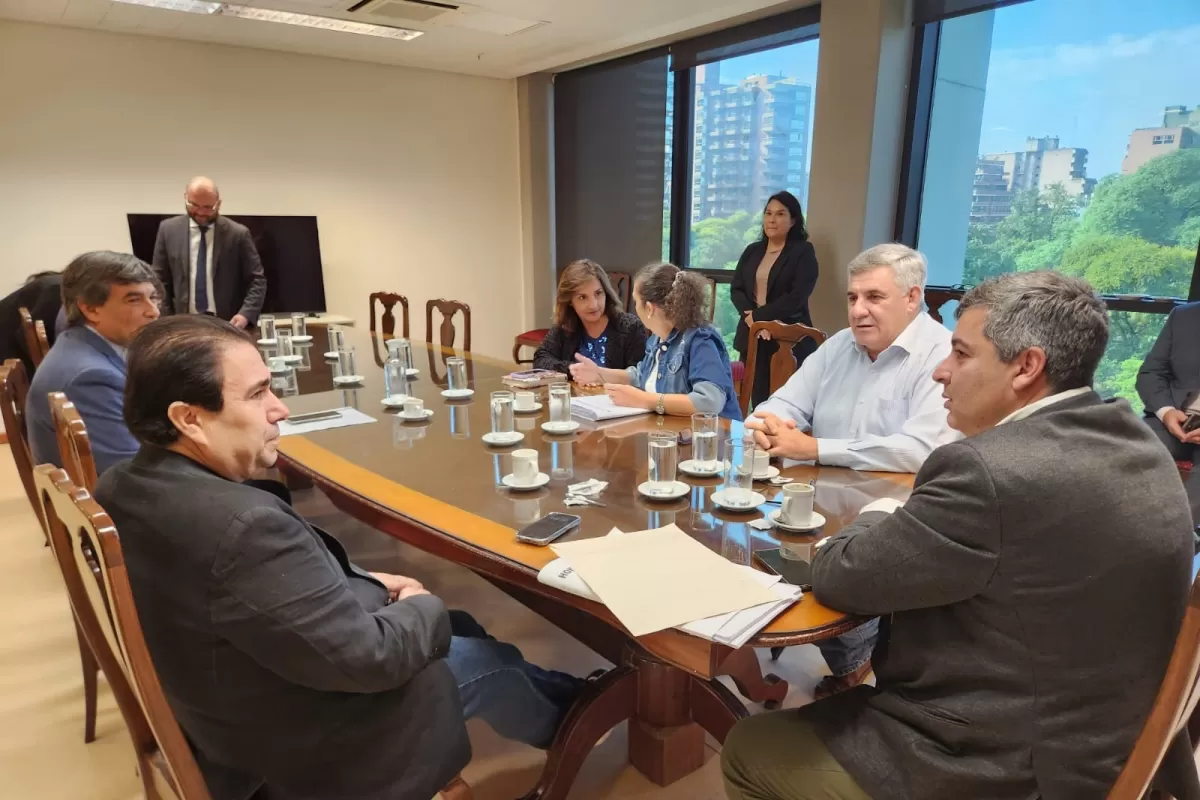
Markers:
<point>289,248</point>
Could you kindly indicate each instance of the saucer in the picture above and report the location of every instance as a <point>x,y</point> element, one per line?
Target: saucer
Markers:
<point>424,415</point>
<point>348,380</point>
<point>756,500</point>
<point>541,480</point>
<point>678,490</point>
<point>536,407</point>
<point>291,359</point>
<point>332,355</point>
<point>267,342</point>
<point>817,521</point>
<point>394,401</point>
<point>502,439</point>
<point>305,339</point>
<point>772,472</point>
<point>692,467</point>
<point>570,426</point>
<point>281,370</point>
<point>457,394</point>
<point>412,372</point>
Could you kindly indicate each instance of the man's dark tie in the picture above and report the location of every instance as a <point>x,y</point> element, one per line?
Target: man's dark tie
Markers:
<point>202,271</point>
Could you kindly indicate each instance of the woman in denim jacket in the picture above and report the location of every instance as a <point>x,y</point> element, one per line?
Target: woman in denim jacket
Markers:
<point>686,369</point>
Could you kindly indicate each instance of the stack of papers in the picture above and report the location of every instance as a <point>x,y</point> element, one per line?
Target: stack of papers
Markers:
<point>598,408</point>
<point>664,578</point>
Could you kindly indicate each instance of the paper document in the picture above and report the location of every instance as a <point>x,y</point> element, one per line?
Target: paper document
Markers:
<point>345,417</point>
<point>658,579</point>
<point>600,407</point>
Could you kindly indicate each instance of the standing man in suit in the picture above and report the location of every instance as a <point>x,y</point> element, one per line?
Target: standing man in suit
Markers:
<point>108,298</point>
<point>1170,372</point>
<point>1031,588</point>
<point>208,264</point>
<point>42,295</point>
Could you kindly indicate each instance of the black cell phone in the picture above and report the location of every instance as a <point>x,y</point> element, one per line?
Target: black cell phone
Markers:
<point>547,529</point>
<point>1191,423</point>
<point>797,573</point>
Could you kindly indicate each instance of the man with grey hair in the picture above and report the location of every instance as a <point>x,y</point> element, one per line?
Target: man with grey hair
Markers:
<point>865,400</point>
<point>108,297</point>
<point>1017,582</point>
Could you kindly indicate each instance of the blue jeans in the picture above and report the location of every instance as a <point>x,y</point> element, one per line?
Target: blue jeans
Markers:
<point>518,700</point>
<point>851,650</point>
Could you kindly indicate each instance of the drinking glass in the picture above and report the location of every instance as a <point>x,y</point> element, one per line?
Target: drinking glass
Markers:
<point>290,386</point>
<point>502,412</point>
<point>460,420</point>
<point>739,471</point>
<point>560,402</point>
<point>400,350</point>
<point>456,373</point>
<point>266,328</point>
<point>704,440</point>
<point>337,338</point>
<point>346,365</point>
<point>283,340</point>
<point>395,382</point>
<point>299,325</point>
<point>562,460</point>
<point>662,462</point>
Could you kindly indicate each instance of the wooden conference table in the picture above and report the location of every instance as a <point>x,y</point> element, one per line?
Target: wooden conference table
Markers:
<point>436,486</point>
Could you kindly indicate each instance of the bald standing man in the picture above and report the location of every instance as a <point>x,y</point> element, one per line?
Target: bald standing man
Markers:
<point>208,264</point>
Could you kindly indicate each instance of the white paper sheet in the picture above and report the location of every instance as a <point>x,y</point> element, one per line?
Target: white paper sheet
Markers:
<point>346,416</point>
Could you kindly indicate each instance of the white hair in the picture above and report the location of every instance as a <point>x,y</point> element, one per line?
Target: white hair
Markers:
<point>908,266</point>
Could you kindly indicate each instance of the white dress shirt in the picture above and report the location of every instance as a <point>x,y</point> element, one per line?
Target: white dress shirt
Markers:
<point>887,414</point>
<point>193,253</point>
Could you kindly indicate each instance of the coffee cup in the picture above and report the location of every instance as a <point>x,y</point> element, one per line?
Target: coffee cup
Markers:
<point>524,466</point>
<point>762,463</point>
<point>414,407</point>
<point>796,508</point>
<point>524,401</point>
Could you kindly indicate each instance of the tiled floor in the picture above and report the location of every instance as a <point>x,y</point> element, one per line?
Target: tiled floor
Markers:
<point>42,754</point>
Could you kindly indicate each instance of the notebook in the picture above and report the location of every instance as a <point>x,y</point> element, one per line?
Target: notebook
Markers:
<point>598,408</point>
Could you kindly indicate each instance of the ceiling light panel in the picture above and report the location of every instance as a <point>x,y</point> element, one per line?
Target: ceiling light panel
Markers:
<point>281,17</point>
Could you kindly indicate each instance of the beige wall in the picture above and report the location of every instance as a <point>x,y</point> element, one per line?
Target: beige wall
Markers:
<point>413,175</point>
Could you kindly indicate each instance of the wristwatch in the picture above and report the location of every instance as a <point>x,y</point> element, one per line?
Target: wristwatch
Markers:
<point>660,409</point>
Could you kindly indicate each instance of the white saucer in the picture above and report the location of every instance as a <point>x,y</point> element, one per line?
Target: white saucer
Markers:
<point>502,439</point>
<point>533,410</point>
<point>457,394</point>
<point>348,380</point>
<point>690,467</point>
<point>394,401</point>
<point>291,359</point>
<point>560,427</point>
<point>756,500</point>
<point>772,472</point>
<point>817,521</point>
<point>412,372</point>
<point>541,480</point>
<point>424,415</point>
<point>284,370</point>
<point>677,491</point>
<point>267,342</point>
<point>331,355</point>
<point>301,339</point>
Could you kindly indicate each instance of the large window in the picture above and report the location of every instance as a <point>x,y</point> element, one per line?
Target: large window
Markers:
<point>1056,139</point>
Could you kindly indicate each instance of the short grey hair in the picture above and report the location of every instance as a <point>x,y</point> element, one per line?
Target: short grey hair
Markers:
<point>908,266</point>
<point>1060,314</point>
<point>91,276</point>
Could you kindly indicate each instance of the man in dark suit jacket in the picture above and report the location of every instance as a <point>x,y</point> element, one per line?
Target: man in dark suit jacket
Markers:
<point>1169,374</point>
<point>1031,588</point>
<point>287,666</point>
<point>208,264</point>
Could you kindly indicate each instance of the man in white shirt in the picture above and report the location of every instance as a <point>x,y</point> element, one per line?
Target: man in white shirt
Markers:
<point>866,399</point>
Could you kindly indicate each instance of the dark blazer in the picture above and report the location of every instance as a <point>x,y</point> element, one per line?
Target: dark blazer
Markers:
<point>1035,580</point>
<point>43,297</point>
<point>283,662</point>
<point>91,373</point>
<point>626,346</point>
<point>1172,367</point>
<point>792,279</point>
<point>239,284</point>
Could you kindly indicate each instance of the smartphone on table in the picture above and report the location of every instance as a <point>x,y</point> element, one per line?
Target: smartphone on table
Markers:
<point>547,529</point>
<point>795,572</point>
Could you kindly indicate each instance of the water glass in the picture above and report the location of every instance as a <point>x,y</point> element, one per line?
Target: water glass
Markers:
<point>663,454</point>
<point>456,373</point>
<point>460,420</point>
<point>283,340</point>
<point>739,471</point>
<point>350,398</point>
<point>560,402</point>
<point>346,366</point>
<point>704,440</point>
<point>502,412</point>
<point>395,382</point>
<point>400,350</point>
<point>299,325</point>
<point>337,338</point>
<point>562,460</point>
<point>266,328</point>
<point>290,385</point>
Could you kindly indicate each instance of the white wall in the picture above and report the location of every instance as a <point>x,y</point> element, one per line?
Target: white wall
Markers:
<point>413,175</point>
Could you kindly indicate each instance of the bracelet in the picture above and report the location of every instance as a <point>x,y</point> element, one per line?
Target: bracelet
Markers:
<point>661,408</point>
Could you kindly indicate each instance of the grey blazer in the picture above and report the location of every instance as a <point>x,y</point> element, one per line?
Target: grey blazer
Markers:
<point>1032,588</point>
<point>1172,367</point>
<point>239,284</point>
<point>283,662</point>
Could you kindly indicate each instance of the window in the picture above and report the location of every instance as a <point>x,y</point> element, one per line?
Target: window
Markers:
<point>1044,149</point>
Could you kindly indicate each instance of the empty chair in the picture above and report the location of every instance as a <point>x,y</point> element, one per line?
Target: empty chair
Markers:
<point>389,300</point>
<point>711,308</point>
<point>36,341</point>
<point>532,339</point>
<point>14,387</point>
<point>446,331</point>
<point>783,362</point>
<point>622,283</point>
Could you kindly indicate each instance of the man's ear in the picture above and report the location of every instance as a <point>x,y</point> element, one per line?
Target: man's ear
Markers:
<point>1031,366</point>
<point>186,419</point>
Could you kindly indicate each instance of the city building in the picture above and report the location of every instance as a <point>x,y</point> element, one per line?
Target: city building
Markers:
<point>751,140</point>
<point>1042,164</point>
<point>1180,131</point>
<point>991,197</point>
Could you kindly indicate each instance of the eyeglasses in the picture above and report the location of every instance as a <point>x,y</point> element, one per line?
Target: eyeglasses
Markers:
<point>198,207</point>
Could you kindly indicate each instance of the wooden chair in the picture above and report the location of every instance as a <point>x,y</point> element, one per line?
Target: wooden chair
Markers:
<point>36,341</point>
<point>622,283</point>
<point>712,298</point>
<point>74,448</point>
<point>448,308</point>
<point>388,301</point>
<point>89,556</point>
<point>14,388</point>
<point>532,339</point>
<point>783,363</point>
<point>1173,720</point>
<point>936,298</point>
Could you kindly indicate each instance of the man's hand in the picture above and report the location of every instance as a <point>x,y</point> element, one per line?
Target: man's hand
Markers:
<point>1173,420</point>
<point>585,371</point>
<point>1193,437</point>
<point>239,321</point>
<point>779,437</point>
<point>398,586</point>
<point>630,396</point>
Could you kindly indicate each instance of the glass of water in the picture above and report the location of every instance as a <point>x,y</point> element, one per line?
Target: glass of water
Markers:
<point>266,328</point>
<point>284,341</point>
<point>337,338</point>
<point>560,402</point>
<point>346,367</point>
<point>739,471</point>
<point>502,412</point>
<point>299,325</point>
<point>456,373</point>
<point>400,350</point>
<point>460,420</point>
<point>395,382</point>
<point>704,440</point>
<point>562,460</point>
<point>662,462</point>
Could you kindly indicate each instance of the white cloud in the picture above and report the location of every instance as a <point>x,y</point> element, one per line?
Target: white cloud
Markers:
<point>1074,59</point>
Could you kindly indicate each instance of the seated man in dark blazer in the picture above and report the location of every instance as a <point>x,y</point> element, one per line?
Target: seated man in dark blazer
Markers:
<point>1169,374</point>
<point>109,297</point>
<point>1031,588</point>
<point>291,671</point>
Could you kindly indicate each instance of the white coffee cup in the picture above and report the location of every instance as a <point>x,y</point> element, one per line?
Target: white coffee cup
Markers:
<point>762,463</point>
<point>524,466</point>
<point>524,401</point>
<point>414,407</point>
<point>796,508</point>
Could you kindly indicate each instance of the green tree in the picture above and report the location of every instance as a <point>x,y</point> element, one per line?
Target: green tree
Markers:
<point>1159,203</point>
<point>718,242</point>
<point>1130,265</point>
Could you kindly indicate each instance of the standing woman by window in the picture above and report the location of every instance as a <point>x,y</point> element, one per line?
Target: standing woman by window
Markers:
<point>685,369</point>
<point>588,319</point>
<point>772,283</point>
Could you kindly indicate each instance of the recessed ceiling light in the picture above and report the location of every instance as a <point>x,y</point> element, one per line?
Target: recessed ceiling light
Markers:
<point>283,17</point>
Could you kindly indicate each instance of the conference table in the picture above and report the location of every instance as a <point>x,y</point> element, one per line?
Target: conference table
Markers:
<point>436,486</point>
